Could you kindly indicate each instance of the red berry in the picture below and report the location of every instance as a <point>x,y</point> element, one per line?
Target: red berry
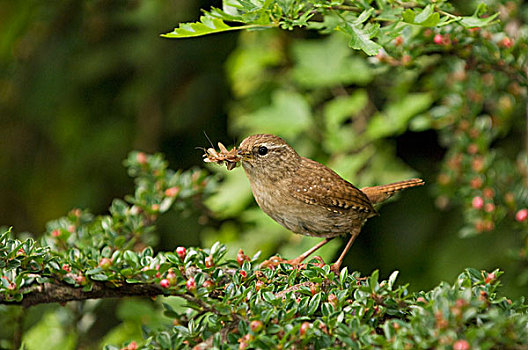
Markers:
<point>489,207</point>
<point>460,302</point>
<point>472,148</point>
<point>406,60</point>
<point>259,285</point>
<point>305,326</point>
<point>55,233</point>
<point>314,288</point>
<point>332,299</point>
<point>521,215</point>
<point>241,257</point>
<point>132,346</point>
<point>105,263</point>
<point>477,202</point>
<point>181,252</point>
<point>164,283</point>
<point>491,277</point>
<point>172,191</point>
<point>488,192</point>
<point>243,273</point>
<point>476,182</point>
<point>506,42</point>
<point>488,225</point>
<point>80,279</point>
<point>208,285</point>
<point>171,276</point>
<point>438,39</point>
<point>478,164</point>
<point>141,158</point>
<point>381,56</point>
<point>191,284</point>
<point>256,326</point>
<point>66,267</point>
<point>461,345</point>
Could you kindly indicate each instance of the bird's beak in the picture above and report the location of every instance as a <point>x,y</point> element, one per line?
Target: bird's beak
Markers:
<point>246,155</point>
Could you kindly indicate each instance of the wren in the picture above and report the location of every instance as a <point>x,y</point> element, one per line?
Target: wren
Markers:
<point>307,197</point>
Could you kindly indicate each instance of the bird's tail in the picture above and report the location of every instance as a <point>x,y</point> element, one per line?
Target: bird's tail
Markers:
<point>379,194</point>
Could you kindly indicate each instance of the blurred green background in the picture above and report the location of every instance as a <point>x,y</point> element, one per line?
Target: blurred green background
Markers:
<point>82,83</point>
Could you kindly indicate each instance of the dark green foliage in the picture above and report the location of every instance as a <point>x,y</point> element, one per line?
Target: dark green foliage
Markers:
<point>80,248</point>
<point>359,21</point>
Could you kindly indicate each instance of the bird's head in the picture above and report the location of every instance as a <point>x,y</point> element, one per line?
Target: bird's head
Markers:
<point>266,155</point>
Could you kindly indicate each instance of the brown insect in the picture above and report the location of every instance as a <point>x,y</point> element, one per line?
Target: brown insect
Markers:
<point>231,158</point>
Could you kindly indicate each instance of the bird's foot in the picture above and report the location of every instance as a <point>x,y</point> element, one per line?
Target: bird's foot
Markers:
<point>296,263</point>
<point>272,262</point>
<point>335,268</point>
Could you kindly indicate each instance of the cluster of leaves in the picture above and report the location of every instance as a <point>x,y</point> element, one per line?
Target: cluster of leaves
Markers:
<point>361,21</point>
<point>234,304</point>
<point>81,249</point>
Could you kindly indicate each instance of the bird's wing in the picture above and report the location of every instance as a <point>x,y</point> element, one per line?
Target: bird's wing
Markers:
<point>319,185</point>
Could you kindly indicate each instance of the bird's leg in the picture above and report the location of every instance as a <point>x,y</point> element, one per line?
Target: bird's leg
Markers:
<point>337,265</point>
<point>275,260</point>
<point>307,253</point>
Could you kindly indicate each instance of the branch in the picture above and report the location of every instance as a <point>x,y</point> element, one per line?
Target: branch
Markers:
<point>62,293</point>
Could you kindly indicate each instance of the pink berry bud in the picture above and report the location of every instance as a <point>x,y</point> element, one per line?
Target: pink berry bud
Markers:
<point>172,191</point>
<point>521,215</point>
<point>105,263</point>
<point>332,299</point>
<point>489,207</point>
<point>208,284</point>
<point>191,284</point>
<point>477,202</point>
<point>438,39</point>
<point>305,326</point>
<point>164,283</point>
<point>209,261</point>
<point>66,267</point>
<point>141,158</point>
<point>461,345</point>
<point>491,277</point>
<point>55,233</point>
<point>80,279</point>
<point>241,257</point>
<point>171,276</point>
<point>256,325</point>
<point>181,252</point>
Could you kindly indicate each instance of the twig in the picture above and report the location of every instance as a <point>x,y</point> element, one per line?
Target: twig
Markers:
<point>61,293</point>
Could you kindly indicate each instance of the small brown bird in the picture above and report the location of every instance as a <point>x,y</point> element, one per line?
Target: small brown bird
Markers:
<point>307,197</point>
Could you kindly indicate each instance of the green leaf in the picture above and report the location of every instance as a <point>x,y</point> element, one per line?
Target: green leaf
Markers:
<point>395,119</point>
<point>207,25</point>
<point>288,115</point>
<point>328,62</point>
<point>476,21</point>
<point>360,36</point>
<point>99,277</point>
<point>314,303</point>
<point>426,18</point>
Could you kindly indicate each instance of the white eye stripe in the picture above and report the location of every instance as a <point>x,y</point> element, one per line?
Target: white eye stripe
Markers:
<point>272,146</point>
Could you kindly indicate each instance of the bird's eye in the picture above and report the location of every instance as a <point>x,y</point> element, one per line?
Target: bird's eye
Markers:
<point>263,150</point>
